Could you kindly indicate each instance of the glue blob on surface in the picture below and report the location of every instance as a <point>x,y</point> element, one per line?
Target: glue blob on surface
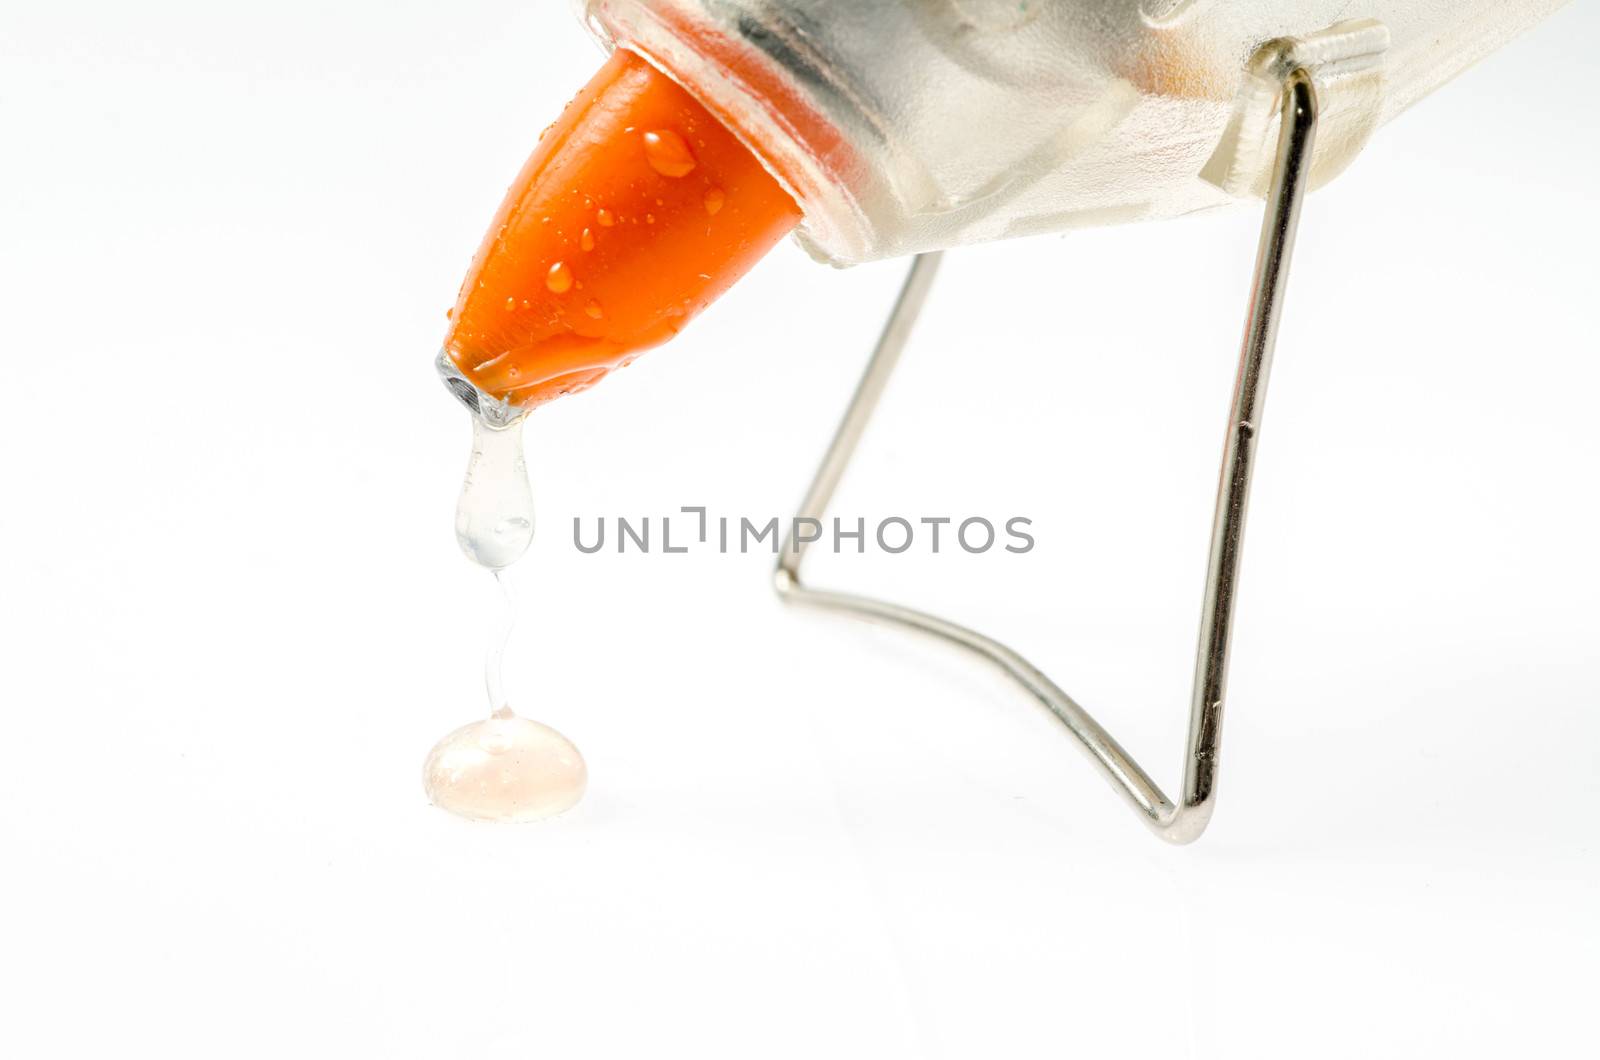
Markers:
<point>636,210</point>
<point>505,768</point>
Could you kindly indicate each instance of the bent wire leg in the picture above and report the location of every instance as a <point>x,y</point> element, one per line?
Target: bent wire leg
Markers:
<point>1185,821</point>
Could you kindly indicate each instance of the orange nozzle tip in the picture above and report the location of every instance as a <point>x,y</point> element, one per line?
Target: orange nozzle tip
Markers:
<point>636,210</point>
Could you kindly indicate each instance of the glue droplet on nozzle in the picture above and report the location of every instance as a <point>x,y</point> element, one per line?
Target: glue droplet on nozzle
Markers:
<point>667,153</point>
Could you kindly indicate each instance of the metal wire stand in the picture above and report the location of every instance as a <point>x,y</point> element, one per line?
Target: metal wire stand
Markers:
<point>1184,821</point>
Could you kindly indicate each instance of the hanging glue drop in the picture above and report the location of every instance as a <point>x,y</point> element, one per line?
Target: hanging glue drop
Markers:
<point>504,767</point>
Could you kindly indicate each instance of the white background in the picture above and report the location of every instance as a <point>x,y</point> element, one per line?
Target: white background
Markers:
<point>233,618</point>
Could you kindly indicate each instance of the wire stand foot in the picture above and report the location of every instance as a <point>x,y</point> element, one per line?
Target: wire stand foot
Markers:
<point>1185,820</point>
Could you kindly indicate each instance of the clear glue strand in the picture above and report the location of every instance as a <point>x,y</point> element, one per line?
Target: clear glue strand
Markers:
<point>503,767</point>
<point>493,668</point>
<point>494,515</point>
